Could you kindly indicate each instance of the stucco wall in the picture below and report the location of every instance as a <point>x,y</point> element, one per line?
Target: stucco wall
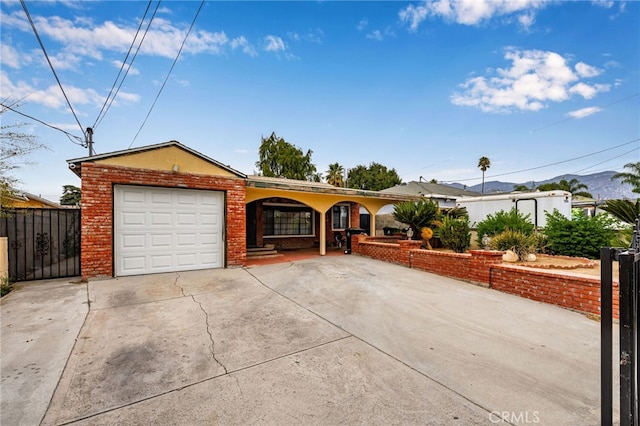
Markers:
<point>98,181</point>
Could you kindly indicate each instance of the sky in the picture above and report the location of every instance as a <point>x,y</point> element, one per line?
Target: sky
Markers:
<point>541,88</point>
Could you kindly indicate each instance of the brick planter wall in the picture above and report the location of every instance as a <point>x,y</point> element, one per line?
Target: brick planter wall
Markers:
<point>578,293</point>
<point>97,210</point>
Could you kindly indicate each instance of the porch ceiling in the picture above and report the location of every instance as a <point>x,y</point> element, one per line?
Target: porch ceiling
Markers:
<point>319,196</point>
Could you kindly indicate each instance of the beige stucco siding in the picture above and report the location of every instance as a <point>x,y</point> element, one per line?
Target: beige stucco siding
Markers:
<point>170,158</point>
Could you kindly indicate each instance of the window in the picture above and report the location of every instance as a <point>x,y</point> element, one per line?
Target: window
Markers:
<point>279,220</point>
<point>340,216</point>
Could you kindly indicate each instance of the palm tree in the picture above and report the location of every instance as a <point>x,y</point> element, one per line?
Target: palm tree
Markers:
<point>484,163</point>
<point>335,175</point>
<point>573,186</point>
<point>624,210</point>
<point>632,177</point>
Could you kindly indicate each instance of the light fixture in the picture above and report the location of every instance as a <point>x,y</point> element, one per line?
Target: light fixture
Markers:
<point>176,167</point>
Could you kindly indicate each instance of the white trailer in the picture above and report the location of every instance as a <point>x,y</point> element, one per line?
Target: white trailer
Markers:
<point>532,203</point>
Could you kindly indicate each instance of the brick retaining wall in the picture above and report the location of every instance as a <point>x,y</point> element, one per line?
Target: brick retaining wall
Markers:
<point>572,291</point>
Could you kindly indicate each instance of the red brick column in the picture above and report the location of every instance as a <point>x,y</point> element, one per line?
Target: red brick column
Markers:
<point>405,250</point>
<point>481,263</point>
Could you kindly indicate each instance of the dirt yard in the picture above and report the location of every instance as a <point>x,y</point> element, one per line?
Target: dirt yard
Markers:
<point>568,264</point>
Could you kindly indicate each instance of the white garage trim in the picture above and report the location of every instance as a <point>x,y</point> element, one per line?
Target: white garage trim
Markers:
<point>167,229</point>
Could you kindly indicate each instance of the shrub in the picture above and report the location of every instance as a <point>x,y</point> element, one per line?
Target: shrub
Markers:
<point>496,224</point>
<point>455,233</point>
<point>5,286</point>
<point>516,241</point>
<point>579,236</point>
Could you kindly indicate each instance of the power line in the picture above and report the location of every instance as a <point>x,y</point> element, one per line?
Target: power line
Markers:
<point>169,73</point>
<point>109,100</point>
<point>606,161</point>
<point>548,165</point>
<point>33,26</point>
<point>574,118</point>
<point>69,135</point>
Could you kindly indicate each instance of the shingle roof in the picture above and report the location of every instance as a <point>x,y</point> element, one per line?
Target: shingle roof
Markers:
<point>429,189</point>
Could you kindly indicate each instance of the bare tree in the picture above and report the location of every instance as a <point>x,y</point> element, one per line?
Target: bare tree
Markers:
<point>15,146</point>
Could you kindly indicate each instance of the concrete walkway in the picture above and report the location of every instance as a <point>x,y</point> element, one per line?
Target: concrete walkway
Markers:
<point>39,323</point>
<point>327,340</point>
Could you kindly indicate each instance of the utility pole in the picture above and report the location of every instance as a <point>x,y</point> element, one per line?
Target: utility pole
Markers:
<point>90,140</point>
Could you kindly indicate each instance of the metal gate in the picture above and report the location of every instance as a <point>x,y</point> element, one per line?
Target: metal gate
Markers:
<point>43,243</point>
<point>629,268</point>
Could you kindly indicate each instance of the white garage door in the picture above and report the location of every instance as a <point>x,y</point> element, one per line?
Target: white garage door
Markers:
<point>166,229</point>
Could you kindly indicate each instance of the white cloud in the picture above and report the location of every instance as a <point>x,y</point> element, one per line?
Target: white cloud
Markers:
<point>588,71</point>
<point>86,38</point>
<point>9,57</point>
<point>607,4</point>
<point>52,96</point>
<point>589,91</point>
<point>132,70</point>
<point>242,43</point>
<point>534,79</point>
<point>470,12</point>
<point>584,112</point>
<point>273,44</point>
<point>414,15</point>
<point>375,35</point>
<point>362,24</point>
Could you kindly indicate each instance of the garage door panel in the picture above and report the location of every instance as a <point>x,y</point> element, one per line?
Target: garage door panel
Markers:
<point>133,218</point>
<point>134,197</point>
<point>187,219</point>
<point>133,241</point>
<point>161,198</point>
<point>209,219</point>
<point>162,229</point>
<point>160,219</point>
<point>161,240</point>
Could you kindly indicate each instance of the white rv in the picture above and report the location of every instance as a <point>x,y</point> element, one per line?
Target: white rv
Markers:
<point>532,203</point>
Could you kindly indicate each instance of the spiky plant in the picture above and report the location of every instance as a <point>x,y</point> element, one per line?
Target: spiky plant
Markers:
<point>418,214</point>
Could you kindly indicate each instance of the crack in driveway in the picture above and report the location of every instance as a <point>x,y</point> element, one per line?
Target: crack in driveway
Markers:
<point>206,319</point>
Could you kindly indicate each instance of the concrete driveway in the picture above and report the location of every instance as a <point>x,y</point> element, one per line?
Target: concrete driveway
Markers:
<point>328,340</point>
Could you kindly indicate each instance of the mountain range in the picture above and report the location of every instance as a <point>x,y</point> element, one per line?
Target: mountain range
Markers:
<point>600,185</point>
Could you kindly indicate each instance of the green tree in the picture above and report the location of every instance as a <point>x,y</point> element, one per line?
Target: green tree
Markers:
<point>70,195</point>
<point>484,163</point>
<point>573,186</point>
<point>15,145</point>
<point>521,188</point>
<point>279,158</point>
<point>418,214</point>
<point>335,175</point>
<point>632,177</point>
<point>376,177</point>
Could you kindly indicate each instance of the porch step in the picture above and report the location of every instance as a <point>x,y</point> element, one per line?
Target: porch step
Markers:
<point>262,252</point>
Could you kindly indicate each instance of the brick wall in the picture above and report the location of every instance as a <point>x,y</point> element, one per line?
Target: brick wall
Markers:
<point>97,210</point>
<point>579,293</point>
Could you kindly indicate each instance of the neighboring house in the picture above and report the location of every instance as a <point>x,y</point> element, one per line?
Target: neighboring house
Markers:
<point>167,207</point>
<point>22,200</point>
<point>445,195</point>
